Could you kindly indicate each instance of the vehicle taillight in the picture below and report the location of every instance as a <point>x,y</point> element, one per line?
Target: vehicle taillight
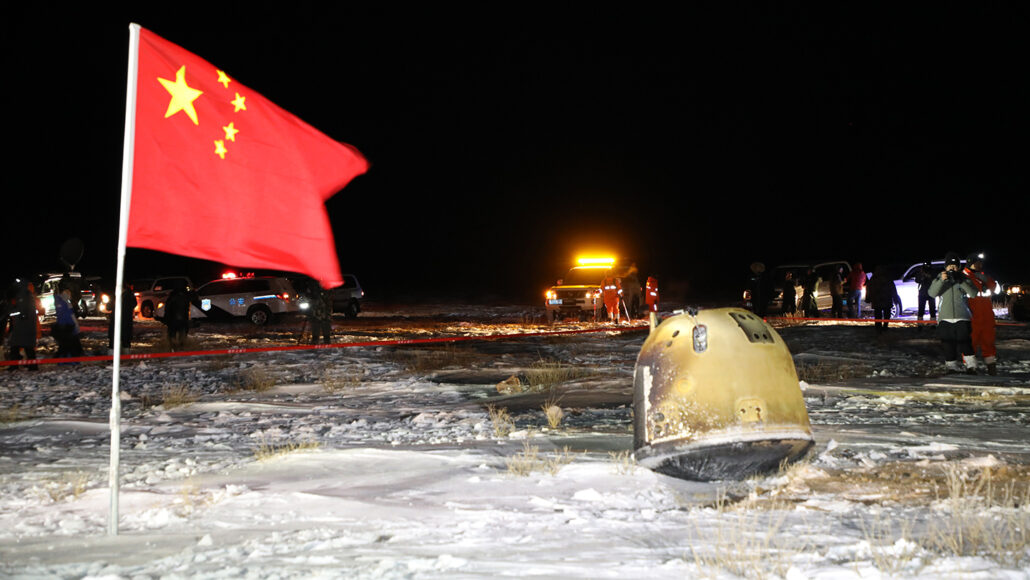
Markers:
<point>285,296</point>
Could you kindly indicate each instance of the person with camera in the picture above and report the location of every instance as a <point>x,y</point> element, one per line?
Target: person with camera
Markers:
<point>954,319</point>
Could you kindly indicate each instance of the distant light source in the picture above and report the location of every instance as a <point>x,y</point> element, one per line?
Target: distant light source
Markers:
<point>595,261</point>
<point>228,275</point>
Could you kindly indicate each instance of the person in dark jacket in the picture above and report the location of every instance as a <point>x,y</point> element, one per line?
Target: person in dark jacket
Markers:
<point>954,317</point>
<point>790,295</point>
<point>924,278</point>
<point>757,286</point>
<point>23,318</point>
<point>837,293</point>
<point>127,302</point>
<point>809,284</point>
<point>882,294</point>
<point>66,327</point>
<point>177,318</point>
<point>320,312</point>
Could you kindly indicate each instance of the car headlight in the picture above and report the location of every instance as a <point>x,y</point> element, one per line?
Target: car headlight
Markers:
<point>550,294</point>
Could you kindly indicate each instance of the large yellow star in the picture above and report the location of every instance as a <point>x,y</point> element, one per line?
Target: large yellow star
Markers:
<point>183,95</point>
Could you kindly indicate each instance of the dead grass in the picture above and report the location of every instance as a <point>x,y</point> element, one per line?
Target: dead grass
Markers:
<point>433,358</point>
<point>502,422</point>
<point>176,395</point>
<point>255,379</point>
<point>530,460</point>
<point>823,372</point>
<point>65,487</point>
<point>333,382</point>
<point>266,450</point>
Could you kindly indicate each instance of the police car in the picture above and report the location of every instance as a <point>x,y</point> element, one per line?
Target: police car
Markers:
<point>257,299</point>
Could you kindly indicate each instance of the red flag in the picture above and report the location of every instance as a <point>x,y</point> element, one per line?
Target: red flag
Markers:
<point>221,173</point>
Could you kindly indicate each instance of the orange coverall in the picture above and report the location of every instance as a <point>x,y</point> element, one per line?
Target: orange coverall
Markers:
<point>611,290</point>
<point>651,294</point>
<point>983,315</point>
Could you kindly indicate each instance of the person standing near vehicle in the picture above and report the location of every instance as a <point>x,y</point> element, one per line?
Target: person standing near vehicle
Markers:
<point>954,317</point>
<point>177,318</point>
<point>321,314</point>
<point>980,306</point>
<point>837,293</point>
<point>611,291</point>
<point>882,294</point>
<point>810,284</point>
<point>23,318</point>
<point>790,295</point>
<point>923,279</point>
<point>651,294</point>
<point>757,289</point>
<point>66,327</point>
<point>856,283</point>
<point>127,302</point>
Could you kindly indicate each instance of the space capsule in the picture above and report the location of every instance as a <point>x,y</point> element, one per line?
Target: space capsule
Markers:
<point>716,396</point>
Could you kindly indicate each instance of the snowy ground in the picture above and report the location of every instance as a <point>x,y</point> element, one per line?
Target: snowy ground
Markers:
<point>385,462</point>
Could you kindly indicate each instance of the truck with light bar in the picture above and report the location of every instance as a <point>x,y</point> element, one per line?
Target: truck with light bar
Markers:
<point>578,294</point>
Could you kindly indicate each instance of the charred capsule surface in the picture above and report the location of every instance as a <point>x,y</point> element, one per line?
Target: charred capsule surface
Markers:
<point>716,396</point>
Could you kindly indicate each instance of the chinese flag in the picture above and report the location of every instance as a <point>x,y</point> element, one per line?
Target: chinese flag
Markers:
<point>221,173</point>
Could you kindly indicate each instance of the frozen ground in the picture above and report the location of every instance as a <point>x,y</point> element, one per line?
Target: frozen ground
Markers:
<point>384,462</point>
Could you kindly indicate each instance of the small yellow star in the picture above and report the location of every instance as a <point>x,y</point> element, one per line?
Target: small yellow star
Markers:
<point>220,149</point>
<point>224,79</point>
<point>230,131</point>
<point>183,95</point>
<point>239,103</point>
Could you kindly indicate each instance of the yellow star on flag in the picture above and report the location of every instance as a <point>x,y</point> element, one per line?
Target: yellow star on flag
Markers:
<point>224,79</point>
<point>183,95</point>
<point>220,149</point>
<point>239,103</point>
<point>230,131</point>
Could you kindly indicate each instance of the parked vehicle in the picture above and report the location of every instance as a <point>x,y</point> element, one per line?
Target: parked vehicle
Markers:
<point>578,294</point>
<point>1018,301</point>
<point>150,292</point>
<point>258,299</point>
<point>824,270</point>
<point>88,302</point>
<point>347,297</point>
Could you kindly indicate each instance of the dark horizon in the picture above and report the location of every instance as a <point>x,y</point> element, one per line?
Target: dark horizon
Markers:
<point>502,145</point>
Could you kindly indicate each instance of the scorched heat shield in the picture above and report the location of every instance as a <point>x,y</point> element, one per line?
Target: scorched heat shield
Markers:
<point>716,396</point>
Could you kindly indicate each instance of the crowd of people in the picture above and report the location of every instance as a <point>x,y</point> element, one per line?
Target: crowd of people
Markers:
<point>957,297</point>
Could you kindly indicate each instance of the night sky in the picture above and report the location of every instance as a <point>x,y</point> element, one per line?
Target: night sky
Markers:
<point>506,138</point>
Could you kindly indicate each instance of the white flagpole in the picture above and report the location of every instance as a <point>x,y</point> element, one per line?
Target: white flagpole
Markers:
<point>123,228</point>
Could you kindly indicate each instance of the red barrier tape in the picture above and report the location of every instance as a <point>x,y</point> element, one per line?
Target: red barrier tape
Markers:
<point>891,320</point>
<point>157,355</point>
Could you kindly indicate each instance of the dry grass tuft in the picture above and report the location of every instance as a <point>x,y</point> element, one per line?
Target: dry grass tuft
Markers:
<point>623,461</point>
<point>333,382</point>
<point>530,460</point>
<point>266,450</point>
<point>824,371</point>
<point>255,379</point>
<point>176,396</point>
<point>501,420</point>
<point>65,487</point>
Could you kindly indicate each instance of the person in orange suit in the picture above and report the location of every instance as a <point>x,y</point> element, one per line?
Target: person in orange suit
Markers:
<point>611,291</point>
<point>651,294</point>
<point>983,312</point>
